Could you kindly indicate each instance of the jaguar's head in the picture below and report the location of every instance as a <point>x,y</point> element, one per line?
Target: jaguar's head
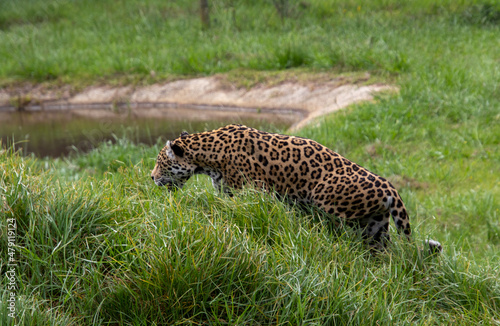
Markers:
<point>172,167</point>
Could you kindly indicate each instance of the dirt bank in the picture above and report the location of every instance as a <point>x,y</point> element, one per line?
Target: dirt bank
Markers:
<point>308,99</point>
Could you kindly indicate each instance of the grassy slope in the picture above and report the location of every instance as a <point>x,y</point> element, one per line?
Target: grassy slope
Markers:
<point>113,247</point>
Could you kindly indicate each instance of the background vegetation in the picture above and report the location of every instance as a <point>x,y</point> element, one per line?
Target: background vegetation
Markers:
<point>99,243</point>
<point>132,40</point>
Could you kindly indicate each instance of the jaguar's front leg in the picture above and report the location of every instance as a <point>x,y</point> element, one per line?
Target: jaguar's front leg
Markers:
<point>219,183</point>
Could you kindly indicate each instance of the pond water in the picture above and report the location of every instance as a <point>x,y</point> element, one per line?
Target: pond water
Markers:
<point>56,133</point>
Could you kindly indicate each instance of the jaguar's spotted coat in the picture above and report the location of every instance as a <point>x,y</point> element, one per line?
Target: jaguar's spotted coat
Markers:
<point>299,168</point>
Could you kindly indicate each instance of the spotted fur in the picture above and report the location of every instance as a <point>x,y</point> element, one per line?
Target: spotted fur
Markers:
<point>300,168</point>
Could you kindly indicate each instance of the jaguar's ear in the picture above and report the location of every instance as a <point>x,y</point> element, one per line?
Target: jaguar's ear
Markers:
<point>184,133</point>
<point>174,150</point>
<point>179,151</point>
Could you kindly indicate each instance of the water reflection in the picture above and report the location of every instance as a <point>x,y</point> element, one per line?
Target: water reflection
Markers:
<point>58,132</point>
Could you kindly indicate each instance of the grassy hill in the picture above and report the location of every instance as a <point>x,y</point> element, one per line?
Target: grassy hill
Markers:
<point>98,243</point>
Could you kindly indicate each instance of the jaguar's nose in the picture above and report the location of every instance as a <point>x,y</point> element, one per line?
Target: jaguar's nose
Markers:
<point>152,178</point>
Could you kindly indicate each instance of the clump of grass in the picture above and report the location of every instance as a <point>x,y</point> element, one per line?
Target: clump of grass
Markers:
<point>486,13</point>
<point>33,311</point>
<point>292,56</point>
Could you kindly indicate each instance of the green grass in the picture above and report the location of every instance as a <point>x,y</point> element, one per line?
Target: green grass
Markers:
<point>102,244</point>
<point>99,243</point>
<point>79,42</point>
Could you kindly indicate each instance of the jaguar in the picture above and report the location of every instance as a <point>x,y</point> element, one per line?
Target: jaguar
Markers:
<point>299,168</point>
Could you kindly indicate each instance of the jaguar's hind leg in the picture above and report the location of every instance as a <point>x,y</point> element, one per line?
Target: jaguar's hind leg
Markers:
<point>375,230</point>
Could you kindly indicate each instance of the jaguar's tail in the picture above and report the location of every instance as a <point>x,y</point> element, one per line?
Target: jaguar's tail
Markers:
<point>434,246</point>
